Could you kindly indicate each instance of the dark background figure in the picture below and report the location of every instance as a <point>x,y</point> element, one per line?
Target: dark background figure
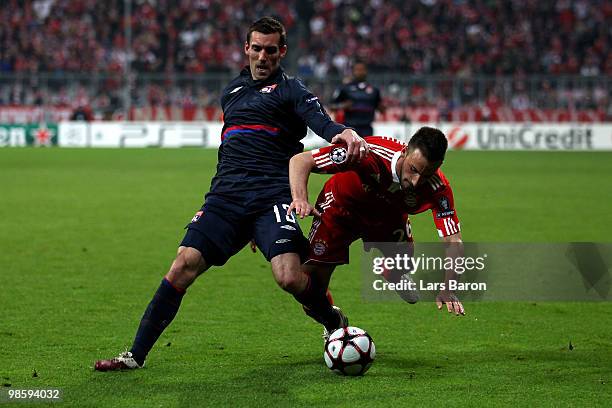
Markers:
<point>359,100</point>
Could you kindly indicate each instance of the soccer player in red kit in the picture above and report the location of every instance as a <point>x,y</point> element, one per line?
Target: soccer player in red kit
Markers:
<point>373,198</point>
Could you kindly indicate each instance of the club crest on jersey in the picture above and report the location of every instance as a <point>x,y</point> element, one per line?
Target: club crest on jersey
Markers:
<point>268,89</point>
<point>197,216</point>
<point>444,206</point>
<point>319,248</point>
<point>338,155</point>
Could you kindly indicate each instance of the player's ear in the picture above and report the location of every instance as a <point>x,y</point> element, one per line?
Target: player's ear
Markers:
<point>283,51</point>
<point>246,48</point>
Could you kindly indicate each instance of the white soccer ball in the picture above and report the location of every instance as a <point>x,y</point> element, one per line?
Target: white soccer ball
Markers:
<point>349,351</point>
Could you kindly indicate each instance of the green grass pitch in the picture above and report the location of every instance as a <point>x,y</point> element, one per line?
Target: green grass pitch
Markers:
<point>86,236</point>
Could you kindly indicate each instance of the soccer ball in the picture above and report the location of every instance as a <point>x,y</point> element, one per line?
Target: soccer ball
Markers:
<point>349,351</point>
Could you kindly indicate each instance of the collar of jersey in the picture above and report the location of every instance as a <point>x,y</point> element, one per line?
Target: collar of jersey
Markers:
<point>272,79</point>
<point>396,157</point>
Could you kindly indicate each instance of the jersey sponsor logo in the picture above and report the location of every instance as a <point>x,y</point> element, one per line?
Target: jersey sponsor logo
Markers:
<point>288,227</point>
<point>236,89</point>
<point>442,214</point>
<point>197,216</point>
<point>444,204</point>
<point>338,155</point>
<point>268,89</point>
<point>282,241</point>
<point>319,248</point>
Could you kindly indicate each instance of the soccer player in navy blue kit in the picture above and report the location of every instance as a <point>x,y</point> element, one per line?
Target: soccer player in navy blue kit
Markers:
<point>359,100</point>
<point>266,114</point>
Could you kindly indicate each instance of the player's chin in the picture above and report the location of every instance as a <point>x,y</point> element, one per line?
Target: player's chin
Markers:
<point>262,72</point>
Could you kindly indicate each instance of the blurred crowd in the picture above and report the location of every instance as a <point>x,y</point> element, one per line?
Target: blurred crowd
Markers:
<point>460,38</point>
<point>88,35</point>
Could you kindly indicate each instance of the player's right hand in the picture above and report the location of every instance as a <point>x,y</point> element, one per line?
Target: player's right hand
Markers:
<point>356,146</point>
<point>302,209</point>
<point>452,302</point>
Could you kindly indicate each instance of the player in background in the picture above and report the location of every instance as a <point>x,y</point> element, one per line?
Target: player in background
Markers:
<point>359,100</point>
<point>266,114</point>
<point>372,200</point>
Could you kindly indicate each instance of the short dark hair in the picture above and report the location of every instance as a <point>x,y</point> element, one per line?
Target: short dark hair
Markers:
<point>431,142</point>
<point>268,25</point>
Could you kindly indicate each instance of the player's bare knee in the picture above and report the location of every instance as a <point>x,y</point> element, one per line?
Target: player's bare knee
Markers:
<point>286,270</point>
<point>289,284</point>
<point>288,278</point>
<point>187,266</point>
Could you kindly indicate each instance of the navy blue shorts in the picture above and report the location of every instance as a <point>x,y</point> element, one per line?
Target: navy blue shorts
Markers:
<point>222,228</point>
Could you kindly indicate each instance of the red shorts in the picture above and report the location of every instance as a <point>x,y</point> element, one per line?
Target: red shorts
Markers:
<point>332,234</point>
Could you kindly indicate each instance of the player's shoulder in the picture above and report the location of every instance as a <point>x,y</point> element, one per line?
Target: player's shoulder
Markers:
<point>292,81</point>
<point>237,81</point>
<point>438,182</point>
<point>294,88</point>
<point>385,142</point>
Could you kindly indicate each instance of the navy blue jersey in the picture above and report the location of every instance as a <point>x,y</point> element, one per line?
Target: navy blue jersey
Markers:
<point>365,99</point>
<point>264,122</point>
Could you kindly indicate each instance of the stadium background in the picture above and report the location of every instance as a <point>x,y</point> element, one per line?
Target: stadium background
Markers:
<point>85,234</point>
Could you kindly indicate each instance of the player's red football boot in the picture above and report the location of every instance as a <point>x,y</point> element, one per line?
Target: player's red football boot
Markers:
<point>123,361</point>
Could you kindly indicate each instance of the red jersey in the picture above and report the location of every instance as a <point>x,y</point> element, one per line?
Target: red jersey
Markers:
<point>372,187</point>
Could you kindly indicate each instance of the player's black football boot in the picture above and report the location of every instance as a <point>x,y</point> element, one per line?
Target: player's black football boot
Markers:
<point>342,322</point>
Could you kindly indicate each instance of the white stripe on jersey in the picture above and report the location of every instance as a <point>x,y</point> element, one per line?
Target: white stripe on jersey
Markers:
<point>384,155</point>
<point>435,182</point>
<point>451,223</point>
<point>382,151</point>
<point>322,161</point>
<point>313,228</point>
<point>383,148</point>
<point>329,198</point>
<point>450,226</point>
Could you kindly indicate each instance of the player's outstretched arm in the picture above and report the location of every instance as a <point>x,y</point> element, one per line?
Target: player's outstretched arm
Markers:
<point>300,167</point>
<point>454,249</point>
<point>356,146</point>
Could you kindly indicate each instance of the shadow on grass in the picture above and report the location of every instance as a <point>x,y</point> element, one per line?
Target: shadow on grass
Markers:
<point>288,381</point>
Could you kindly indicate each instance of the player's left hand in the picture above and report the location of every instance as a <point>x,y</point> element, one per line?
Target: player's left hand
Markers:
<point>356,146</point>
<point>253,246</point>
<point>303,209</point>
<point>453,305</point>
